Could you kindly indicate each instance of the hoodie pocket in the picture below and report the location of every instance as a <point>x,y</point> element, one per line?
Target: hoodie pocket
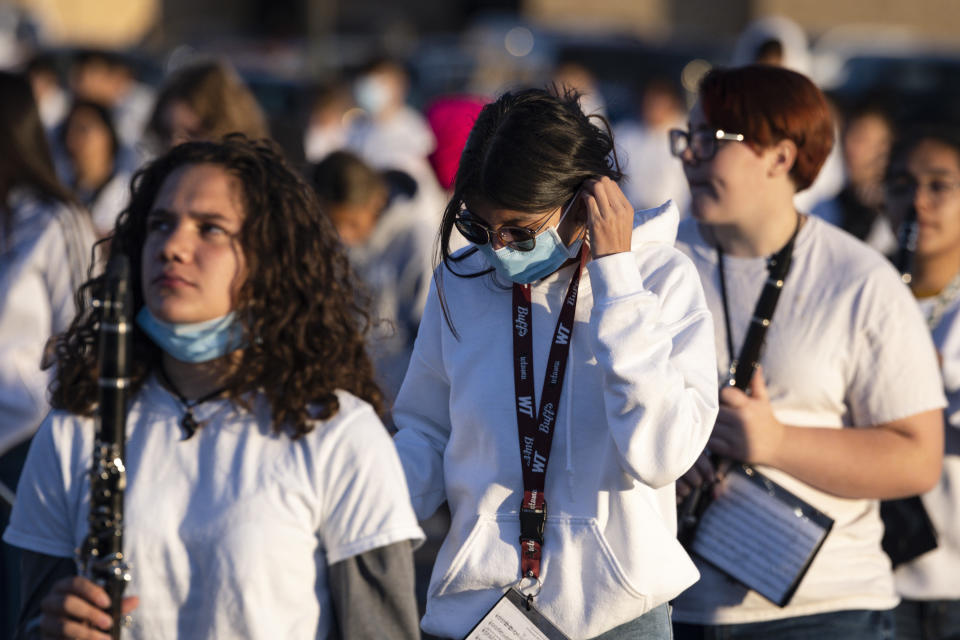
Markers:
<point>578,565</point>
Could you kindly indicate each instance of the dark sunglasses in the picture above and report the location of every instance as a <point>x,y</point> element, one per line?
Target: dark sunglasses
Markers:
<point>479,232</point>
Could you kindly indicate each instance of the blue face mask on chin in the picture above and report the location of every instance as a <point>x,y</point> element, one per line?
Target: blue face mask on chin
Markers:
<point>195,342</point>
<point>548,254</point>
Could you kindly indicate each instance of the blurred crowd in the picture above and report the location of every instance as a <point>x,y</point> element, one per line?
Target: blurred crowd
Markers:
<point>384,167</point>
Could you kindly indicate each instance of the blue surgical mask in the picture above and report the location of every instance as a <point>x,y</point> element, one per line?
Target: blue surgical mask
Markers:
<point>548,254</point>
<point>195,342</point>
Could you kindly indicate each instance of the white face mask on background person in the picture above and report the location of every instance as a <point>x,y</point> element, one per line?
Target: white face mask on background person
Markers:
<point>372,94</point>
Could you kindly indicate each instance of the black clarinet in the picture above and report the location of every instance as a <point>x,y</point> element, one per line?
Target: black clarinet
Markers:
<point>101,557</point>
<point>741,369</point>
<point>908,245</point>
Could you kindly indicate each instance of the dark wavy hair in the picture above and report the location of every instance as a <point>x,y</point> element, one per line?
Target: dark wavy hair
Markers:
<point>303,320</point>
<point>529,151</point>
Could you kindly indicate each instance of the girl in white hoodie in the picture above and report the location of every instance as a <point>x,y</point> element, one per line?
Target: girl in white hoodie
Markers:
<point>558,262</point>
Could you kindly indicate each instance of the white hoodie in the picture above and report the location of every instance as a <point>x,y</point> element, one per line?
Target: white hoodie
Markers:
<point>643,369</point>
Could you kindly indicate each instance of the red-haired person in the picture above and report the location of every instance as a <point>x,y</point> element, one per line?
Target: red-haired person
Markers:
<point>846,408</point>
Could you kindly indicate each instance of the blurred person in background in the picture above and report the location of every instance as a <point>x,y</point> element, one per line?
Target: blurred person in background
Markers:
<point>845,408</point>
<point>781,42</point>
<point>52,100</point>
<point>45,245</point>
<point>859,208</point>
<point>773,40</point>
<point>925,174</point>
<point>653,174</point>
<point>99,165</point>
<point>327,123</point>
<point>390,134</point>
<point>573,75</point>
<point>390,247</point>
<point>204,101</point>
<point>108,78</point>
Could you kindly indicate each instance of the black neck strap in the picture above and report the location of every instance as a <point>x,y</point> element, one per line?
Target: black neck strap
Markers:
<point>778,265</point>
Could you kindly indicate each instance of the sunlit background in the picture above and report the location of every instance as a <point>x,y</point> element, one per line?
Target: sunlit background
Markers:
<point>283,46</point>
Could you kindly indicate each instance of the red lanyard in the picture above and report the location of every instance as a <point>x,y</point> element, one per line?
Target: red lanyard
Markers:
<point>536,431</point>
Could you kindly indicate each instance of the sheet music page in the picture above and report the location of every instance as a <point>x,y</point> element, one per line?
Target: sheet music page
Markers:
<point>512,619</point>
<point>756,537</point>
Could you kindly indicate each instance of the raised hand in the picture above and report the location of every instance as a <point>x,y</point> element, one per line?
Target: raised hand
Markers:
<point>609,217</point>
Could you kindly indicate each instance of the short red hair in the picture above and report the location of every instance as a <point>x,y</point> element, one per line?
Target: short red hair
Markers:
<point>767,104</point>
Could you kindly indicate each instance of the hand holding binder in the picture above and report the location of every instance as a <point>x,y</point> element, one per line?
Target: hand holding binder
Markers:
<point>746,428</point>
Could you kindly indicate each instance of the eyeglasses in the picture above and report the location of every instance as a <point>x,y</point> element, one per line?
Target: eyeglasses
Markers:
<point>905,187</point>
<point>702,143</point>
<point>479,232</point>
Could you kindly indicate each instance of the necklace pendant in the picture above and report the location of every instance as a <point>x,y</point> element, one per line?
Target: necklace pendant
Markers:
<point>189,425</point>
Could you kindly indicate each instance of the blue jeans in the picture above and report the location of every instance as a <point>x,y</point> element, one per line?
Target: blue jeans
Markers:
<point>928,620</point>
<point>653,625</point>
<point>835,625</point>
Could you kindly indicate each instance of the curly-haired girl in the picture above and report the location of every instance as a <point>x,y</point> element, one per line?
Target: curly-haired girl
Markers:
<point>263,494</point>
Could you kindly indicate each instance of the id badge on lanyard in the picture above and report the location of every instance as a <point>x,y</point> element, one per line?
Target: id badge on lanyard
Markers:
<point>514,615</point>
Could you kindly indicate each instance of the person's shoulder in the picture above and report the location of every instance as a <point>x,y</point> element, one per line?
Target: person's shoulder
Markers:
<point>355,421</point>
<point>844,253</point>
<point>847,267</point>
<point>49,220</point>
<point>657,225</point>
<point>32,215</point>
<point>66,432</point>
<point>659,236</point>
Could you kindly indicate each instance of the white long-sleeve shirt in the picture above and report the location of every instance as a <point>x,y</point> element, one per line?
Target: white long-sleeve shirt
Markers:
<point>936,575</point>
<point>42,263</point>
<point>638,403</point>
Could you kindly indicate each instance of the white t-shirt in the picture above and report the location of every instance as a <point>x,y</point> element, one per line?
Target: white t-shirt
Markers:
<point>847,346</point>
<point>936,575</point>
<point>230,532</point>
<point>42,262</point>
